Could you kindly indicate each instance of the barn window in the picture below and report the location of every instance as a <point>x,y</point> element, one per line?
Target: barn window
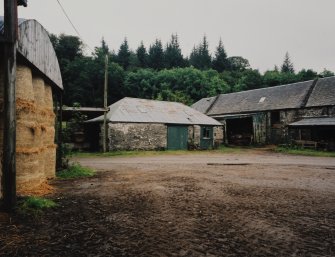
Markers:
<point>206,133</point>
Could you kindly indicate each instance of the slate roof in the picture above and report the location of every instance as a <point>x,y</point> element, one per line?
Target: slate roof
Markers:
<point>135,110</point>
<point>271,98</point>
<point>323,93</point>
<point>204,104</point>
<point>314,122</point>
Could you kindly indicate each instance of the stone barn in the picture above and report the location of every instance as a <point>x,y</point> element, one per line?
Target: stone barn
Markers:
<point>276,115</point>
<point>38,79</point>
<point>140,124</point>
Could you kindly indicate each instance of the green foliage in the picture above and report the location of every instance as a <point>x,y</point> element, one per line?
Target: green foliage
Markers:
<point>34,206</point>
<point>173,57</point>
<point>142,56</point>
<point>142,74</point>
<point>238,63</point>
<point>123,56</point>
<point>326,73</point>
<point>220,61</point>
<point>179,84</point>
<point>200,57</point>
<point>156,56</point>
<point>75,171</point>
<point>306,152</point>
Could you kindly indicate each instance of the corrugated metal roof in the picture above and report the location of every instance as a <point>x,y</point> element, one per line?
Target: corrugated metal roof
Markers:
<point>314,122</point>
<point>272,98</point>
<point>35,46</point>
<point>323,93</point>
<point>152,111</point>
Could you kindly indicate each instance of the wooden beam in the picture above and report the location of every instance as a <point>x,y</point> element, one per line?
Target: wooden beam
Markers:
<point>105,132</point>
<point>9,141</point>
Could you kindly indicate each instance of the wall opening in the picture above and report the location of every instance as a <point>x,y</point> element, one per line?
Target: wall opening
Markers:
<point>240,131</point>
<point>275,118</point>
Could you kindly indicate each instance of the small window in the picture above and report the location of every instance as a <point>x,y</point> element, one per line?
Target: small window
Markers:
<point>206,133</point>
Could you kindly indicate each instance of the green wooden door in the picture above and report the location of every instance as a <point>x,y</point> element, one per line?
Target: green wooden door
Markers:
<point>206,138</point>
<point>177,138</point>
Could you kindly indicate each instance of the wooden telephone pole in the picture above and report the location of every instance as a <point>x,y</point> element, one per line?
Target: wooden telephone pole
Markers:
<point>105,132</point>
<point>9,42</point>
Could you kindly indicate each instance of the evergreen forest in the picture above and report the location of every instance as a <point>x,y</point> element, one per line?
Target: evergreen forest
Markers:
<point>160,71</point>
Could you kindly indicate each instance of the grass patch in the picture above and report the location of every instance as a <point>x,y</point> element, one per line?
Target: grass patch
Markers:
<point>221,149</point>
<point>75,171</point>
<point>34,206</point>
<point>306,152</point>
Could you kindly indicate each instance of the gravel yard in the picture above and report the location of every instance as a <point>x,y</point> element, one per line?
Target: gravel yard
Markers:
<point>253,203</point>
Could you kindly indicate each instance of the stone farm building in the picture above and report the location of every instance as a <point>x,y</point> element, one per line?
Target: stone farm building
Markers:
<point>38,78</point>
<point>302,111</point>
<point>139,124</point>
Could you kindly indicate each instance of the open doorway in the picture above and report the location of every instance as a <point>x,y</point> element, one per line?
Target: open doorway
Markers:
<point>240,131</point>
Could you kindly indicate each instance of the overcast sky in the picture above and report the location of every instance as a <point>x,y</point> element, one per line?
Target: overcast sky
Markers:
<point>259,30</point>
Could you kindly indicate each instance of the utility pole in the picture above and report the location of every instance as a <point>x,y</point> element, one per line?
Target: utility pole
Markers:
<point>105,132</point>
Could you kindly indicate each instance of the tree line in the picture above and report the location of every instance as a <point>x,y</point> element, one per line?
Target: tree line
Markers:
<point>162,72</point>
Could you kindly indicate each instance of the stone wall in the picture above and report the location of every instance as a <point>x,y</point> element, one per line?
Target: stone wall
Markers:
<point>137,136</point>
<point>194,136</point>
<point>218,133</point>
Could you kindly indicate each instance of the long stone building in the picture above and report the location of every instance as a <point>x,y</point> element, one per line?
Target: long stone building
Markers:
<point>38,80</point>
<point>275,115</point>
<point>140,124</point>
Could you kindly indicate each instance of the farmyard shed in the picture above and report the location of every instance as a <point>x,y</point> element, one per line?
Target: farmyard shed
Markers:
<point>267,114</point>
<point>38,78</point>
<point>140,124</point>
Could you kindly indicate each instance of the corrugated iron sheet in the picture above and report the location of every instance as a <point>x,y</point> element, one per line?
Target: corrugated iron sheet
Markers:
<point>314,122</point>
<point>151,111</point>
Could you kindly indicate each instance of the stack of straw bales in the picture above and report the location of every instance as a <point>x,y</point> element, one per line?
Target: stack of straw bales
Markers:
<point>35,148</point>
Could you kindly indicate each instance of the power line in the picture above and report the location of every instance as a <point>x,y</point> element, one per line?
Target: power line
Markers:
<point>74,27</point>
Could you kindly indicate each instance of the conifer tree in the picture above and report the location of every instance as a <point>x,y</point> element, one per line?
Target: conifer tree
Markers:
<point>142,56</point>
<point>123,55</point>
<point>200,57</point>
<point>287,66</point>
<point>220,62</point>
<point>156,55</point>
<point>172,54</point>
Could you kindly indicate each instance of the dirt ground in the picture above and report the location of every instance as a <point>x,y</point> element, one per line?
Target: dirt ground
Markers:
<point>254,203</point>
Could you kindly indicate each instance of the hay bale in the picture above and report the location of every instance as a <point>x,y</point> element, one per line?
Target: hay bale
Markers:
<point>39,92</point>
<point>48,136</point>
<point>50,167</point>
<point>24,83</point>
<point>28,134</point>
<point>29,169</point>
<point>48,102</point>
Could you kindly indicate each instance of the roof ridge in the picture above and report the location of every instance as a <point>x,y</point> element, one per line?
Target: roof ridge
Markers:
<point>212,104</point>
<point>266,88</point>
<point>309,93</point>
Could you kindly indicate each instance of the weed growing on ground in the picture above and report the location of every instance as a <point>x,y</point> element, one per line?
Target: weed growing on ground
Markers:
<point>307,152</point>
<point>34,206</point>
<point>75,171</point>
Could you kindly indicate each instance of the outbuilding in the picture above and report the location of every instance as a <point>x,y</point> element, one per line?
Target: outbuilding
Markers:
<point>140,124</point>
<point>38,83</point>
<point>274,115</point>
